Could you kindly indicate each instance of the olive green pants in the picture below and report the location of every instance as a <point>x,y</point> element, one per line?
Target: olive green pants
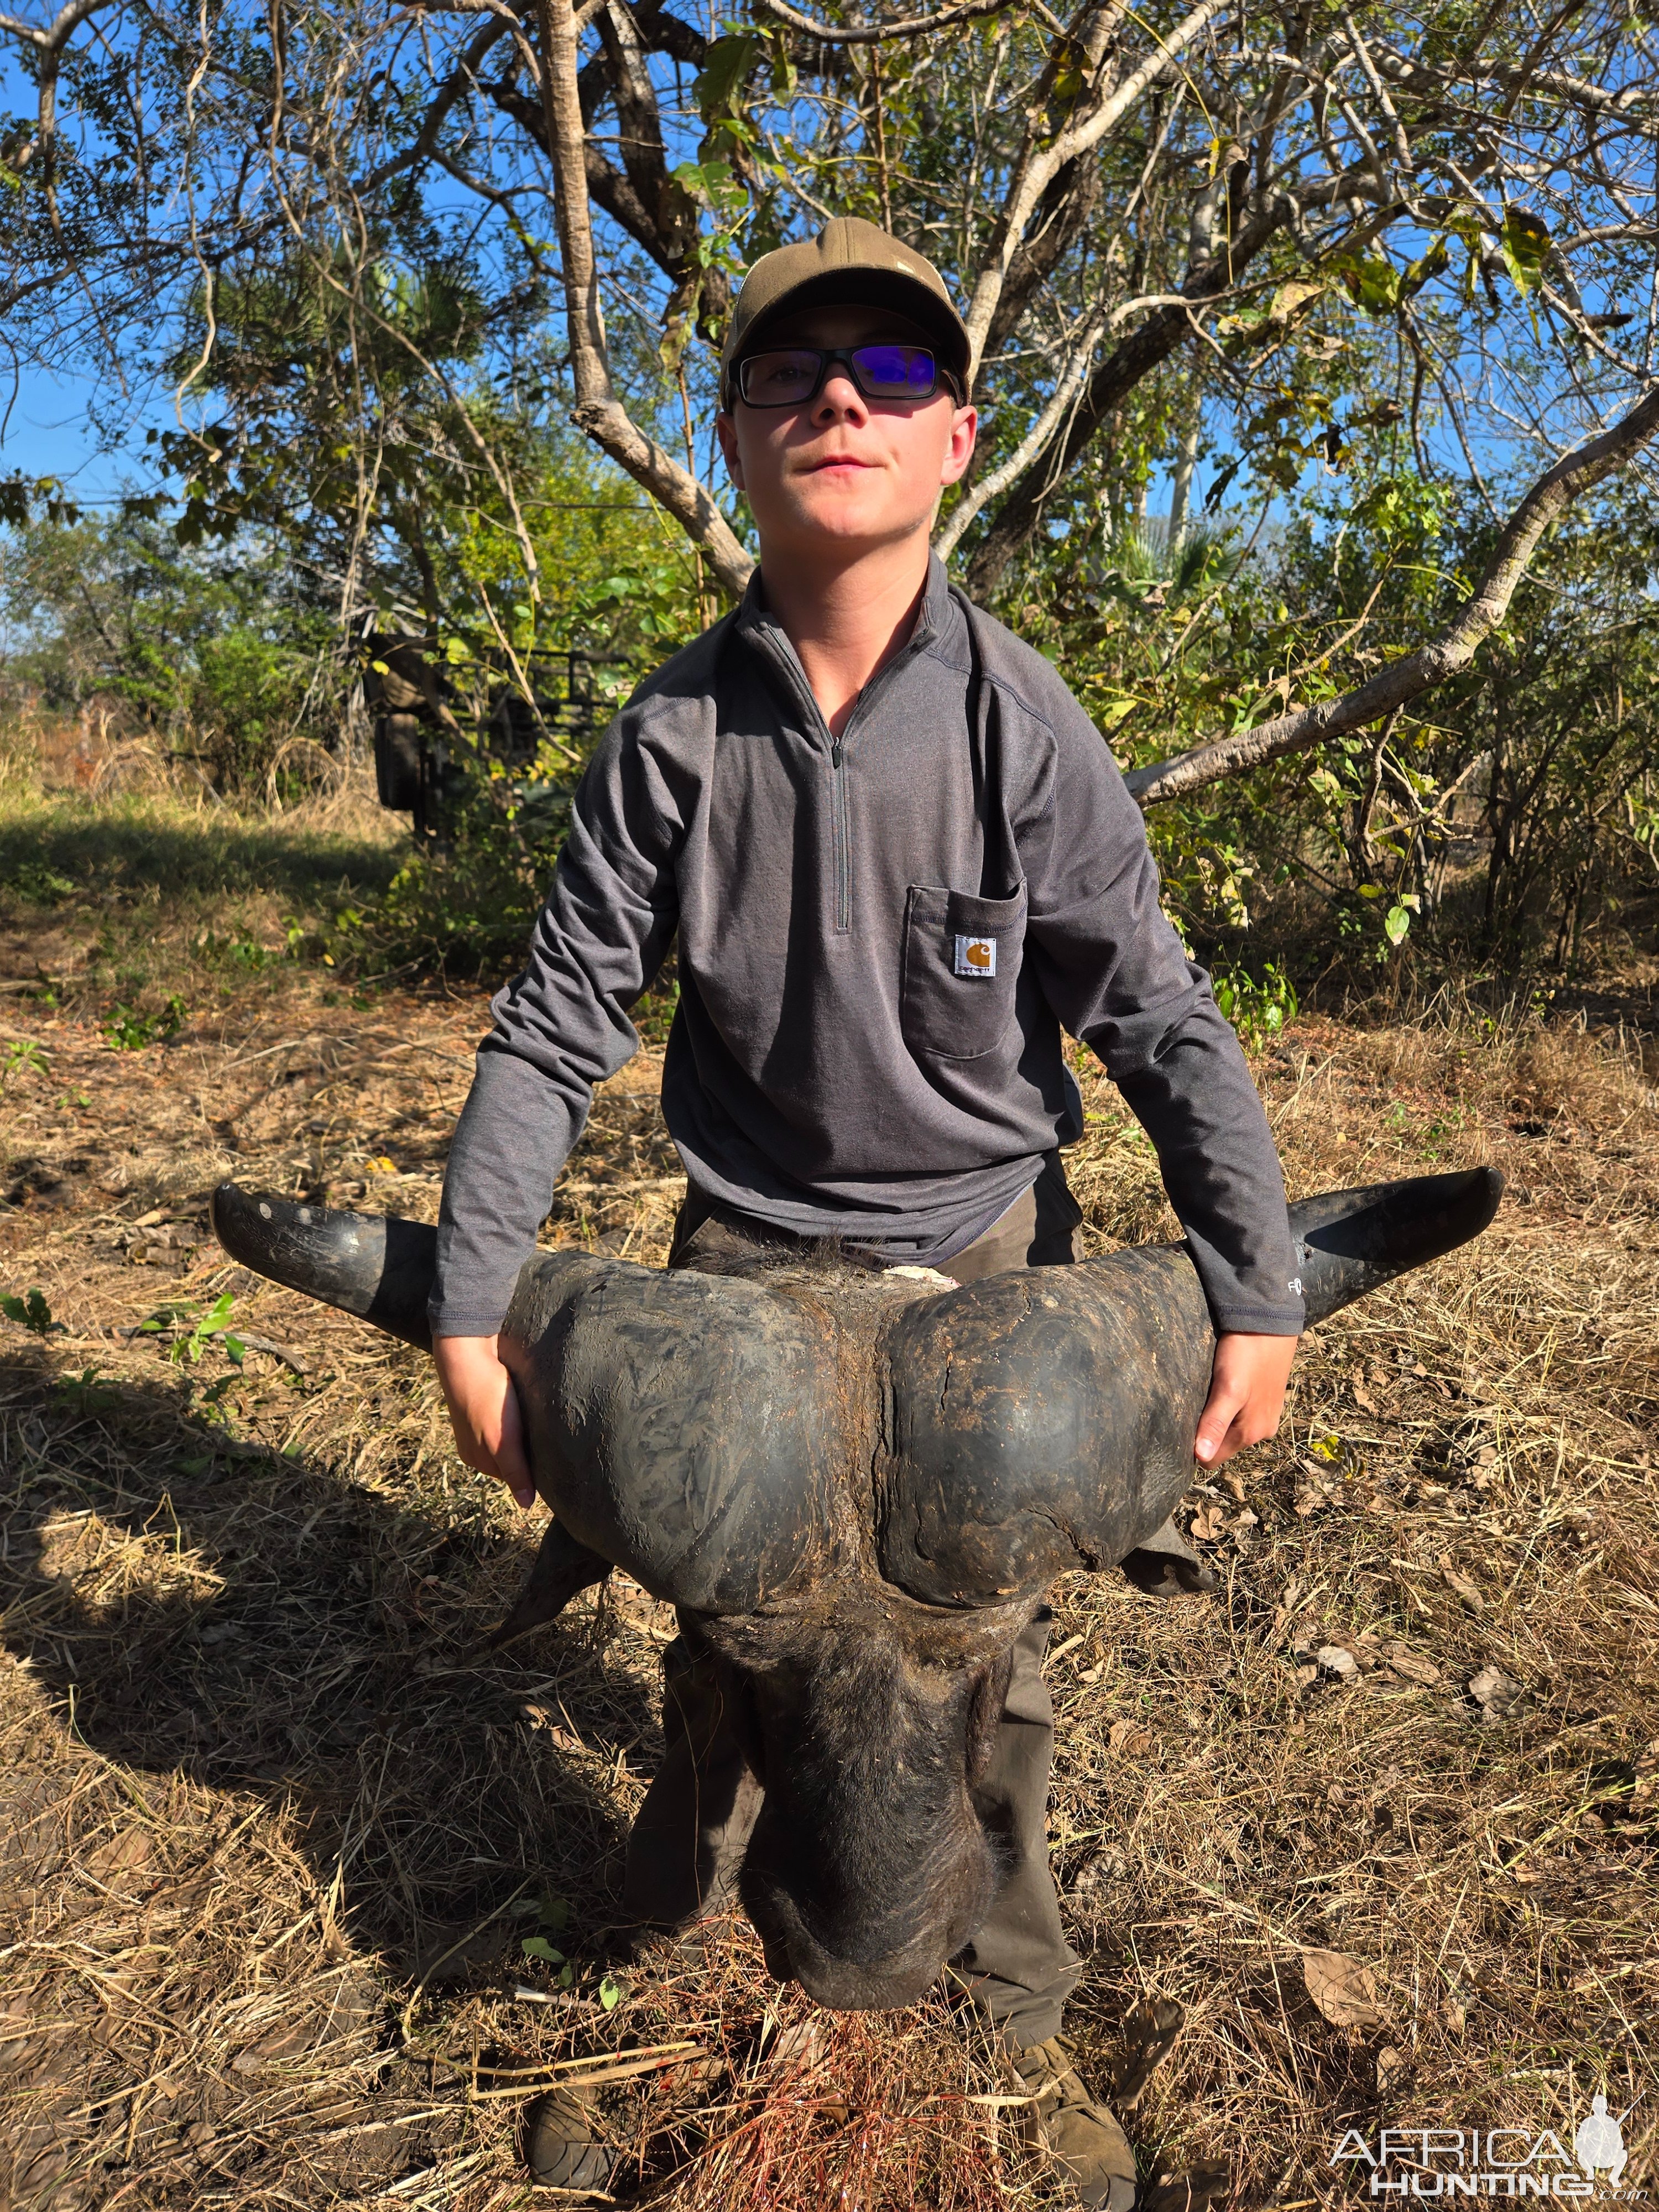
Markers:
<point>687,1846</point>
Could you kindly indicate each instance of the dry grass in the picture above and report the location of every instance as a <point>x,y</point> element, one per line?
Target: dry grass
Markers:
<point>121,880</point>
<point>273,1833</point>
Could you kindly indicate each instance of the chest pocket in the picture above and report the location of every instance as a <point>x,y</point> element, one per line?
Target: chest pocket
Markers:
<point>962,958</point>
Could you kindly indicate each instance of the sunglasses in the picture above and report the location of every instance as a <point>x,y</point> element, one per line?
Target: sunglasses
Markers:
<point>792,376</point>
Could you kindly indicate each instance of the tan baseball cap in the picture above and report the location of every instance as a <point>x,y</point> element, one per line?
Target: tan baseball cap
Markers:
<point>849,260</point>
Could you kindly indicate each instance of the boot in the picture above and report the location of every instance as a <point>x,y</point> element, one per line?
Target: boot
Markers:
<point>560,2146</point>
<point>1081,2135</point>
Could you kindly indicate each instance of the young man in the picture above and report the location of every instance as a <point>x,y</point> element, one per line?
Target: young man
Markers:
<point>899,859</point>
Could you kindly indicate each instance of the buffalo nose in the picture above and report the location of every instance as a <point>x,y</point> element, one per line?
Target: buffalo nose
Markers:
<point>873,1985</point>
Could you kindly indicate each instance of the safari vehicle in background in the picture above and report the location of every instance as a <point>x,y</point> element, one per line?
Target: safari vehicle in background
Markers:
<point>430,718</point>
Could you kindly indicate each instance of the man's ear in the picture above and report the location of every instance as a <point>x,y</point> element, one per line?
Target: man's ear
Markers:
<point>964,429</point>
<point>726,430</point>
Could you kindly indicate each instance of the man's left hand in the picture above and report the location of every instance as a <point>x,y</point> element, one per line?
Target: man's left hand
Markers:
<point>1247,1395</point>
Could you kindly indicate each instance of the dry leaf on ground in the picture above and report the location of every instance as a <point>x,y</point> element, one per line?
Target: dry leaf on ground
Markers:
<point>1342,1988</point>
<point>1411,1665</point>
<point>1462,1588</point>
<point>1494,1692</point>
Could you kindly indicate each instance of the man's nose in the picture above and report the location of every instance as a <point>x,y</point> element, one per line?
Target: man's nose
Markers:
<point>841,399</point>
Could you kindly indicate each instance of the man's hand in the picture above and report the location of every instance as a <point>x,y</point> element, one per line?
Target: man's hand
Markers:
<point>1247,1395</point>
<point>483,1411</point>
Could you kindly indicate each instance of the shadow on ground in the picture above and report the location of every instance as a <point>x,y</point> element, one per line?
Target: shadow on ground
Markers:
<point>59,852</point>
<point>266,1650</point>
<point>315,1641</point>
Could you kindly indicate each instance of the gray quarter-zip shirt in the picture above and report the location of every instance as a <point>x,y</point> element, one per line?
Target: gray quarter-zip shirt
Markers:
<point>881,941</point>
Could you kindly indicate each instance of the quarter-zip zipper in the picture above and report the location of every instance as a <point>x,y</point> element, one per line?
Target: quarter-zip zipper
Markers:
<point>840,836</point>
<point>842,842</point>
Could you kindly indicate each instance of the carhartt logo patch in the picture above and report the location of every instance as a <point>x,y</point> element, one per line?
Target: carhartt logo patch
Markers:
<point>976,955</point>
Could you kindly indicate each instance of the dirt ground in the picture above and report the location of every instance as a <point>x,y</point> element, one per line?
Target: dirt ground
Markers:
<point>274,1832</point>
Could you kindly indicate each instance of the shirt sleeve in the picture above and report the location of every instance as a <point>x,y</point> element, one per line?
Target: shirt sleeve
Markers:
<point>557,1029</point>
<point>1116,974</point>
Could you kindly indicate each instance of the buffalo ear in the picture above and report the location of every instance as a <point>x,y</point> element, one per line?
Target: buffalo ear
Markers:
<point>1165,1564</point>
<point>563,1567</point>
<point>985,1714</point>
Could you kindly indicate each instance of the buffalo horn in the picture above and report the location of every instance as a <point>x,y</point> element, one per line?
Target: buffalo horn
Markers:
<point>1043,1421</point>
<point>682,1426</point>
<point>374,1264</point>
<point>690,1427</point>
<point>1350,1241</point>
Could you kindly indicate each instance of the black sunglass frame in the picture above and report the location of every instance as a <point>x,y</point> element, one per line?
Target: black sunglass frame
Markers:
<point>848,356</point>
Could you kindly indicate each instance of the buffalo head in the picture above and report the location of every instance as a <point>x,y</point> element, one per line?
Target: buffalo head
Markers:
<point>856,1488</point>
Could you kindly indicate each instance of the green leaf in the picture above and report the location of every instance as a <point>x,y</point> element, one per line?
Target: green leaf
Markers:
<point>33,1312</point>
<point>1371,284</point>
<point>1524,243</point>
<point>1431,263</point>
<point>1116,711</point>
<point>553,1913</point>
<point>1395,923</point>
<point>784,77</point>
<point>609,1994</point>
<point>537,1947</point>
<point>726,66</point>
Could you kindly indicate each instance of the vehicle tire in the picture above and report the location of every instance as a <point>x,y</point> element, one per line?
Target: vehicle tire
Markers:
<point>398,750</point>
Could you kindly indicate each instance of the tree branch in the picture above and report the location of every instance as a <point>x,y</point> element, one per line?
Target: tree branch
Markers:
<point>1124,367</point>
<point>1035,441</point>
<point>1395,686</point>
<point>1069,145</point>
<point>597,411</point>
<point>50,37</point>
<point>872,35</point>
<point>460,78</point>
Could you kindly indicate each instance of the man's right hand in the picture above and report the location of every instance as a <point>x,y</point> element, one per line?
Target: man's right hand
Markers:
<point>483,1411</point>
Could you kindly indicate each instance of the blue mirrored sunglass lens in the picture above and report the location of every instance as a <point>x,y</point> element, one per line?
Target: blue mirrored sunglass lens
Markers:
<point>894,369</point>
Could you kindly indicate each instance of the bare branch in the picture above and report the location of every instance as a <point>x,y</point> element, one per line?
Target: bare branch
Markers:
<point>50,37</point>
<point>1077,139</point>
<point>1395,686</point>
<point>1127,365</point>
<point>461,79</point>
<point>597,411</point>
<point>1063,397</point>
<point>873,34</point>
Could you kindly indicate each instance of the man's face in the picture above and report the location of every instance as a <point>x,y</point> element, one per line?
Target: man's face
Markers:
<point>842,474</point>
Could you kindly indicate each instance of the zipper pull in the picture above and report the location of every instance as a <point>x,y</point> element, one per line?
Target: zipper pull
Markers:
<point>835,754</point>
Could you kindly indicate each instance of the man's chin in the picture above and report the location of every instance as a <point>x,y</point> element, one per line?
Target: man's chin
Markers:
<point>844,519</point>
